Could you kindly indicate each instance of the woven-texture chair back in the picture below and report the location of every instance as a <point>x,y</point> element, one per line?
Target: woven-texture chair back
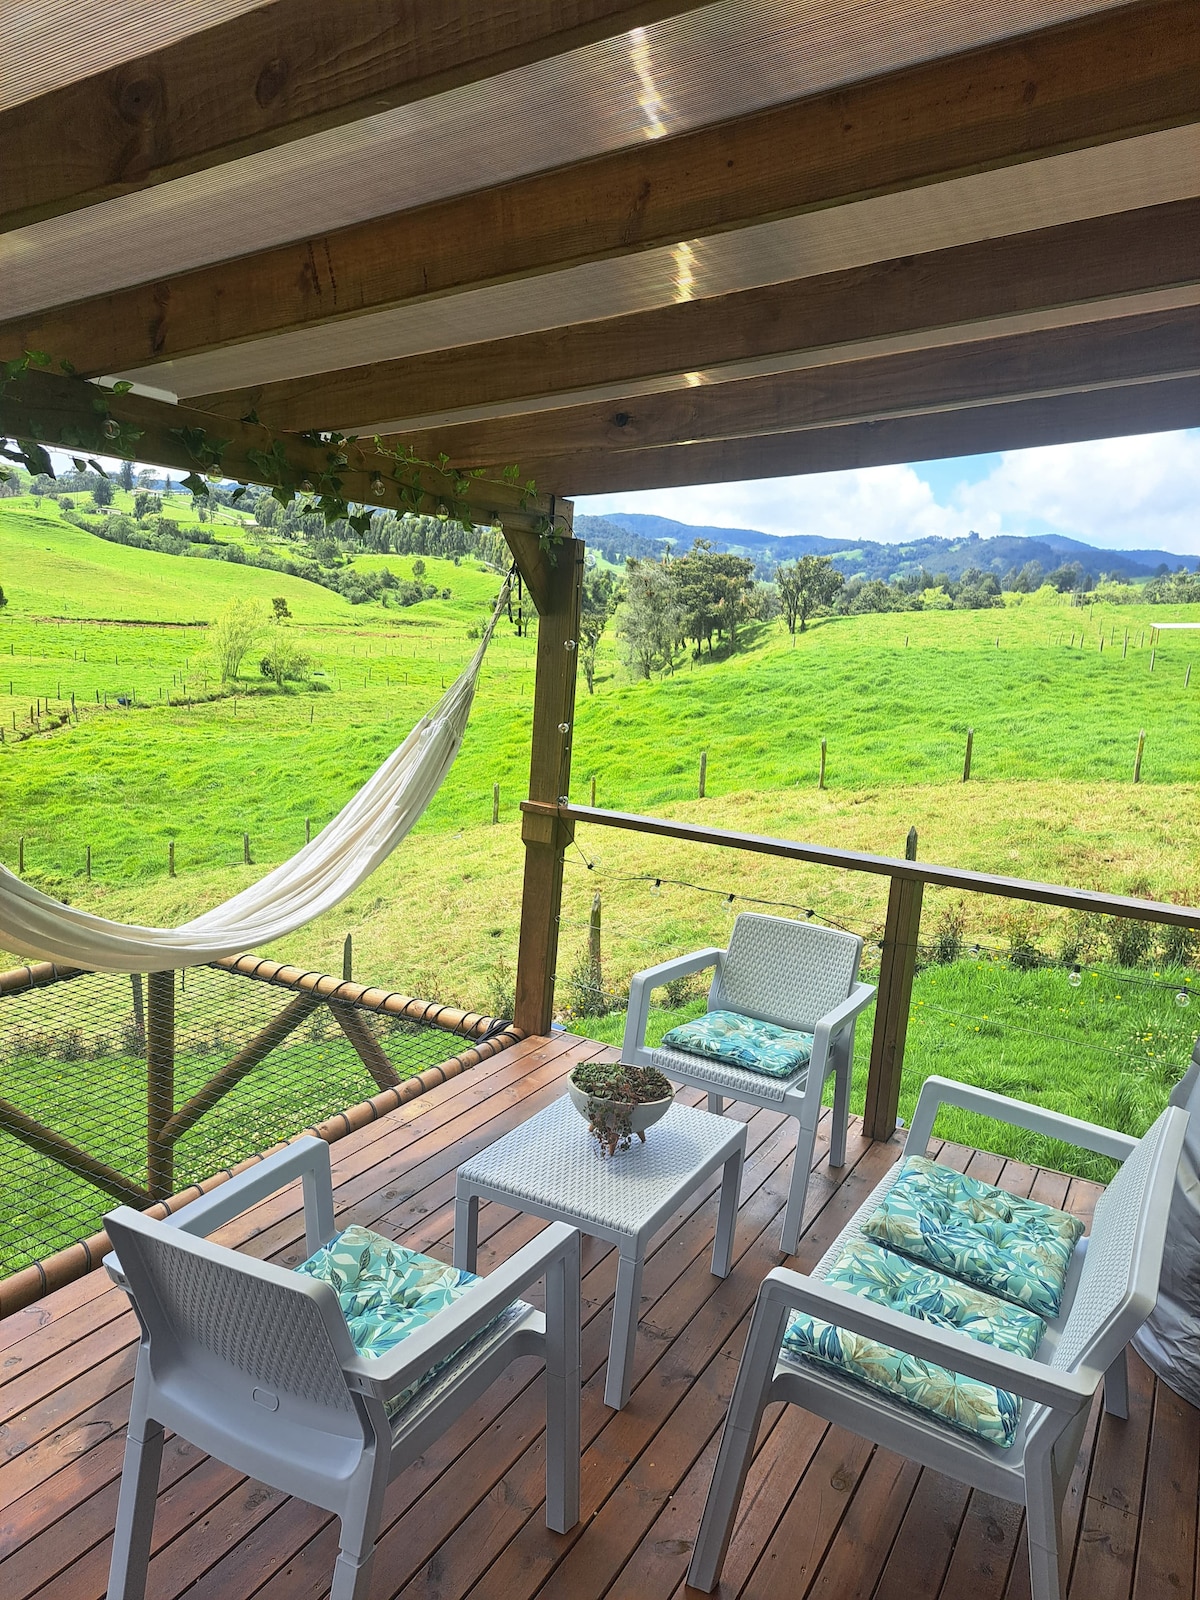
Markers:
<point>1109,1272</point>
<point>789,973</point>
<point>269,1332</point>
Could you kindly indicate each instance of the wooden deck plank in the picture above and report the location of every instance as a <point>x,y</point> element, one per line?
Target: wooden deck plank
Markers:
<point>826,1516</point>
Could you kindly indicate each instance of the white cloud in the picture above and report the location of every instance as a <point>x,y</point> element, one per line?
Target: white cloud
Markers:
<point>1138,493</point>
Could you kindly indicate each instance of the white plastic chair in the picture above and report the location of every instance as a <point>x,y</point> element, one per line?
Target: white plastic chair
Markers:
<point>775,970</point>
<point>1110,1290</point>
<point>255,1365</point>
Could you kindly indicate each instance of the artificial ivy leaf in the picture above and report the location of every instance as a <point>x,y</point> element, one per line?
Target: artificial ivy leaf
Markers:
<point>38,358</point>
<point>123,387</point>
<point>238,493</point>
<point>68,367</point>
<point>96,467</point>
<point>195,483</point>
<point>251,416</point>
<point>79,463</point>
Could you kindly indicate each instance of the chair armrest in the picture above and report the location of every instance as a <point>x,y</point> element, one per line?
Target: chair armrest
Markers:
<point>937,1092</point>
<point>307,1159</point>
<point>841,1017</point>
<point>633,1050</point>
<point>450,1329</point>
<point>1032,1380</point>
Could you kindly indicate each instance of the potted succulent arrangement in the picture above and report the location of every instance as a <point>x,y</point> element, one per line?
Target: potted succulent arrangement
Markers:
<point>618,1101</point>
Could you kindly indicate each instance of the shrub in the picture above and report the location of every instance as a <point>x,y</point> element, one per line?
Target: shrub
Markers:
<point>1130,942</point>
<point>947,943</point>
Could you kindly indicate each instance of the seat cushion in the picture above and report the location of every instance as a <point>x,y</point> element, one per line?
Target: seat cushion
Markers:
<point>1017,1249</point>
<point>387,1292</point>
<point>743,1042</point>
<point>889,1279</point>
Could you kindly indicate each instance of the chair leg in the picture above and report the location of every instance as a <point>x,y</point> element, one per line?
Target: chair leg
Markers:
<point>731,1183</point>
<point>1116,1388</point>
<point>135,1509</point>
<point>793,1217</point>
<point>360,1526</point>
<point>841,1102</point>
<point>737,1447</point>
<point>716,1104</point>
<point>562,1391</point>
<point>1042,1523</point>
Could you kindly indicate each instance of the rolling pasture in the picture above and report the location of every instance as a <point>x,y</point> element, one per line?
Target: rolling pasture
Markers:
<point>1055,717</point>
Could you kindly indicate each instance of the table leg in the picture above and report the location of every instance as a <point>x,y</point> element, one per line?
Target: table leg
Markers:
<point>466,1229</point>
<point>731,1184</point>
<point>626,1306</point>
<point>716,1104</point>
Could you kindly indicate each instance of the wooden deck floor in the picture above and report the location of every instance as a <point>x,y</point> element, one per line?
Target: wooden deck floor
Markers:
<point>824,1514</point>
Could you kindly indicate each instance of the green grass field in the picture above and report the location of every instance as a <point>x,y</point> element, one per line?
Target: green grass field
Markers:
<point>1055,728</point>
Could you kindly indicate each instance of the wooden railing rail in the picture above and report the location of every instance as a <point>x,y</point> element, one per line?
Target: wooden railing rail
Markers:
<point>899,950</point>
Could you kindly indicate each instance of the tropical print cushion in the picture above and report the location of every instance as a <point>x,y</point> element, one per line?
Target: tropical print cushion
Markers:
<point>743,1042</point>
<point>387,1292</point>
<point>1018,1249</point>
<point>888,1279</point>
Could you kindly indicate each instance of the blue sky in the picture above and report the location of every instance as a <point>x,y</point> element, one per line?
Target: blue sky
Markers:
<point>1140,493</point>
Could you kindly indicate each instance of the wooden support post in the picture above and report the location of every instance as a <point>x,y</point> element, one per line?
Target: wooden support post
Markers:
<point>821,774</point>
<point>160,1083</point>
<point>546,838</point>
<point>1137,760</point>
<point>897,966</point>
<point>371,1053</point>
<point>967,756</point>
<point>703,771</point>
<point>139,1011</point>
<point>46,1142</point>
<point>495,804</point>
<point>235,1070</point>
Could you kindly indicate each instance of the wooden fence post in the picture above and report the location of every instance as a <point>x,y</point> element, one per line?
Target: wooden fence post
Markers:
<point>1125,646</point>
<point>1187,677</point>
<point>703,771</point>
<point>160,1083</point>
<point>246,849</point>
<point>546,837</point>
<point>593,800</point>
<point>348,959</point>
<point>308,830</point>
<point>595,970</point>
<point>967,757</point>
<point>89,863</point>
<point>171,859</point>
<point>1152,661</point>
<point>821,774</point>
<point>1137,760</point>
<point>897,966</point>
<point>495,804</point>
<point>21,854</point>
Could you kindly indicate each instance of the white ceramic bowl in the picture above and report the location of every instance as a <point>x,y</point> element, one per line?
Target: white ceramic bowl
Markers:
<point>642,1116</point>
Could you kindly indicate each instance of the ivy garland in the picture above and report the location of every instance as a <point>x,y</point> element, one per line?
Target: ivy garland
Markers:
<point>286,481</point>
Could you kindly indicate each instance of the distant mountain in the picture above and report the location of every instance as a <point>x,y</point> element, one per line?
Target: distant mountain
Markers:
<point>648,535</point>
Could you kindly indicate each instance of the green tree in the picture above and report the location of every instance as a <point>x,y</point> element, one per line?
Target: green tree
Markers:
<point>806,586</point>
<point>601,596</point>
<point>279,607</point>
<point>236,628</point>
<point>125,476</point>
<point>102,492</point>
<point>146,504</point>
<point>418,569</point>
<point>715,592</point>
<point>284,659</point>
<point>649,618</point>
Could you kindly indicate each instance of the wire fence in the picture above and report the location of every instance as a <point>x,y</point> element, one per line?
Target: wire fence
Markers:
<point>117,1088</point>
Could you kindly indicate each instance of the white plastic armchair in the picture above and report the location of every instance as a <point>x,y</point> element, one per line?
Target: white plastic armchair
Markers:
<point>774,970</point>
<point>255,1364</point>
<point>1110,1290</point>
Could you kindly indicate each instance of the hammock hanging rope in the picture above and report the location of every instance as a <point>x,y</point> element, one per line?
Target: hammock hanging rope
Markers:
<point>362,835</point>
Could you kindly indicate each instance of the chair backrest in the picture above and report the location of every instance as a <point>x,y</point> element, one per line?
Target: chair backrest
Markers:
<point>786,972</point>
<point>1118,1283</point>
<point>227,1331</point>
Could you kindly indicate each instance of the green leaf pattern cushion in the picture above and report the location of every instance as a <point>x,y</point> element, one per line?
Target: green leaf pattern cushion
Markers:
<point>969,1404</point>
<point>743,1042</point>
<point>1017,1249</point>
<point>387,1292</point>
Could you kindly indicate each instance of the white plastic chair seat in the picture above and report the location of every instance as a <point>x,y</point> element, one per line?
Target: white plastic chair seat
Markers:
<point>738,1083</point>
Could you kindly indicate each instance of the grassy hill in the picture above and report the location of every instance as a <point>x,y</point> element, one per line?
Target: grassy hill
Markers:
<point>1055,725</point>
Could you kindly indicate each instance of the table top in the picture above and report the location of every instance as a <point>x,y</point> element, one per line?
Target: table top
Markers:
<point>553,1163</point>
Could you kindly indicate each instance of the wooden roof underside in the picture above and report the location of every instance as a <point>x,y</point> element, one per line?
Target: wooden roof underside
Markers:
<point>622,244</point>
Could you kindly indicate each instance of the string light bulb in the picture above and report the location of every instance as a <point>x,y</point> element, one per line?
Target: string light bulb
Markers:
<point>1074,977</point>
<point>377,485</point>
<point>1183,998</point>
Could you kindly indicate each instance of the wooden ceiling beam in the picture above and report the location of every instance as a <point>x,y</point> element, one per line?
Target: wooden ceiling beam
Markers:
<point>1109,76</point>
<point>271,75</point>
<point>1060,419</point>
<point>1021,367</point>
<point>776,327</point>
<point>64,413</point>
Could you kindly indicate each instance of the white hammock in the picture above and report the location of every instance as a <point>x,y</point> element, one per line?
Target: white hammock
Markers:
<point>362,835</point>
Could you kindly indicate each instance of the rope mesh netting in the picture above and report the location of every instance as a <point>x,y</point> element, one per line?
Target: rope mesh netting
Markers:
<point>74,1064</point>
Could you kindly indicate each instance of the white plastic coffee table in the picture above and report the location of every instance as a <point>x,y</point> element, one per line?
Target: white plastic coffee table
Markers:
<point>552,1167</point>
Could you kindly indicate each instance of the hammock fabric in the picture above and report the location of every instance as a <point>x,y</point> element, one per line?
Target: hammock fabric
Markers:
<point>362,835</point>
